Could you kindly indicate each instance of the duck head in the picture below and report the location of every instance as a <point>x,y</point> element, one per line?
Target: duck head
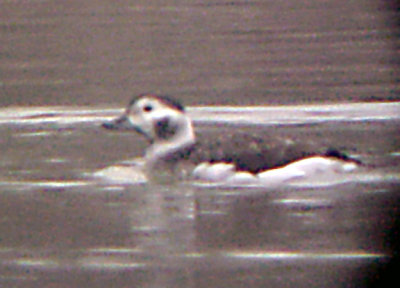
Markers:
<point>161,120</point>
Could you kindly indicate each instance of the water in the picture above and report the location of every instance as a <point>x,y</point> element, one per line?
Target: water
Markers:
<point>67,66</point>
<point>207,52</point>
<point>61,224</point>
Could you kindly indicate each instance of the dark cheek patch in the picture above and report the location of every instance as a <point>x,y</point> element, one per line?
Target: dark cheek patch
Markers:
<point>164,129</point>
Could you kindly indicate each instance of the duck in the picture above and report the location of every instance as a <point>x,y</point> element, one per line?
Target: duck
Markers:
<point>175,150</point>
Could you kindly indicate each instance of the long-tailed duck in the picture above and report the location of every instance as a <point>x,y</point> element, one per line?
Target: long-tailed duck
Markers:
<point>242,159</point>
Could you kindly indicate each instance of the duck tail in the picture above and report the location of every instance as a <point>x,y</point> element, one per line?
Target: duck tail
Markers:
<point>334,153</point>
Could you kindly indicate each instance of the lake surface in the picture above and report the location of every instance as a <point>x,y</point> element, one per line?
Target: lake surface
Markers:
<point>325,71</point>
<point>210,52</point>
<point>60,224</point>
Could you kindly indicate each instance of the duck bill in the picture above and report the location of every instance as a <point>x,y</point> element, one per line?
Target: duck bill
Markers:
<point>121,123</point>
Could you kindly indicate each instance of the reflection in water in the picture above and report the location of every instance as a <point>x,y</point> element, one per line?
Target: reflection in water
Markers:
<point>168,234</point>
<point>162,228</point>
<point>162,222</point>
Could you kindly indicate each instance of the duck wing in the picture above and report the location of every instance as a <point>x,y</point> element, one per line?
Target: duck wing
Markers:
<point>253,153</point>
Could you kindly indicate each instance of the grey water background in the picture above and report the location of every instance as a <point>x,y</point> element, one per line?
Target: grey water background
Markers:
<point>66,66</point>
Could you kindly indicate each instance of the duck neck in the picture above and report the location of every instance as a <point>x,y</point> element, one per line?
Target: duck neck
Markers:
<point>168,149</point>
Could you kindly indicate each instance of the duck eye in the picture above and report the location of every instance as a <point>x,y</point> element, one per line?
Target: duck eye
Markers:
<point>147,108</point>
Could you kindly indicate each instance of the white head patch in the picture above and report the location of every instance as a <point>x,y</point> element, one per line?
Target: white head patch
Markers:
<point>164,122</point>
